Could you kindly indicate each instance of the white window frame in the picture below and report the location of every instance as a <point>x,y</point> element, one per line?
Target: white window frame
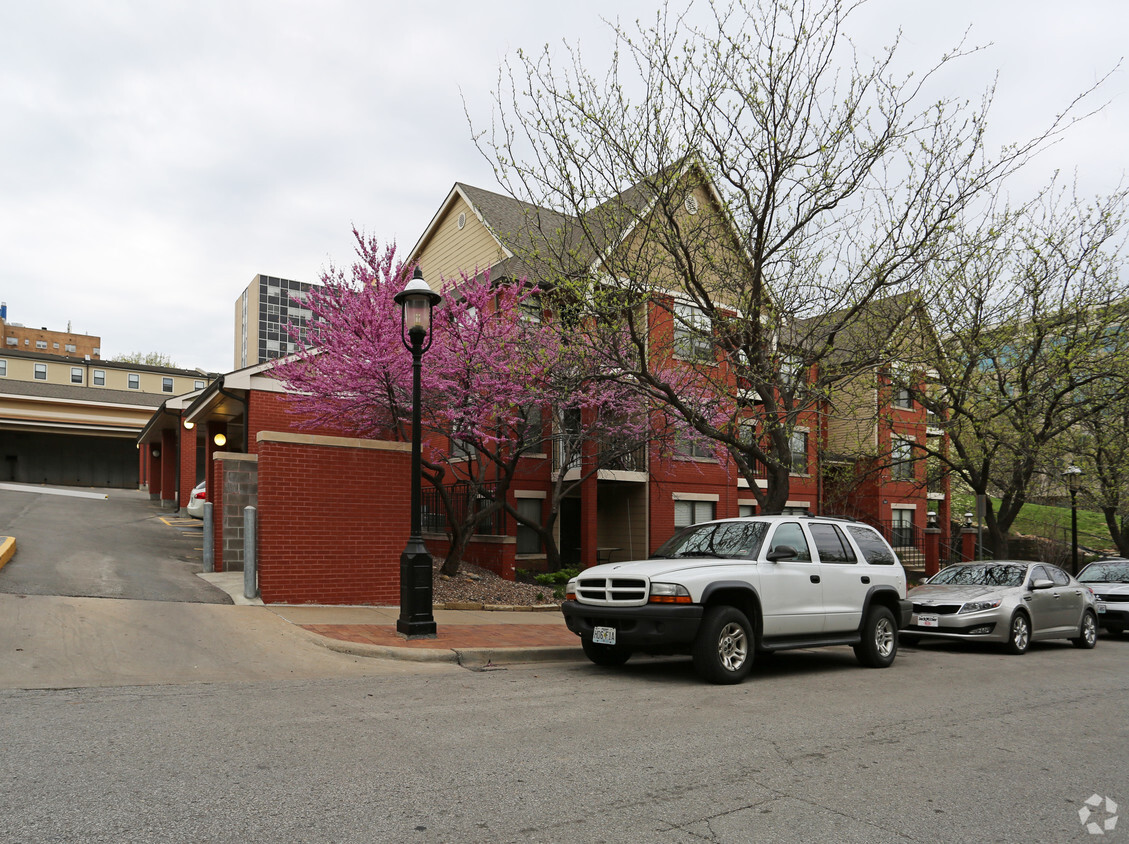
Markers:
<point>792,448</point>
<point>693,333</point>
<point>99,378</point>
<point>40,372</point>
<point>133,381</point>
<point>3,368</point>
<point>167,385</point>
<point>76,373</point>
<point>902,468</point>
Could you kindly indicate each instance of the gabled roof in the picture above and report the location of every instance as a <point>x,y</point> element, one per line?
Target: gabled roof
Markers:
<point>541,244</point>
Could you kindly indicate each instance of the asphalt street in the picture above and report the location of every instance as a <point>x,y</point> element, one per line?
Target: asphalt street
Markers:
<point>947,745</point>
<point>93,547</point>
<point>185,721</point>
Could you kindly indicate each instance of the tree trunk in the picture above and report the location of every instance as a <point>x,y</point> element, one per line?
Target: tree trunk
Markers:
<point>1118,530</point>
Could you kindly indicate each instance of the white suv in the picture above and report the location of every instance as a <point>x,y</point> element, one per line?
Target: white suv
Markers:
<point>722,591</point>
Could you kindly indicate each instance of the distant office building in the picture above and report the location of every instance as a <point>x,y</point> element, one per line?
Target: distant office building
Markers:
<point>262,313</point>
<point>15,337</point>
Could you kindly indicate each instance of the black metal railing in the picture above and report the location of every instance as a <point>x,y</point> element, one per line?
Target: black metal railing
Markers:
<point>436,519</point>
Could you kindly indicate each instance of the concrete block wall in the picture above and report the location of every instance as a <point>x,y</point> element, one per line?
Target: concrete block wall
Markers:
<point>334,516</point>
<point>240,489</point>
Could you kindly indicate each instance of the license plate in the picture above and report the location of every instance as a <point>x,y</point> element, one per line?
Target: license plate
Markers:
<point>603,635</point>
<point>1101,606</point>
<point>928,621</point>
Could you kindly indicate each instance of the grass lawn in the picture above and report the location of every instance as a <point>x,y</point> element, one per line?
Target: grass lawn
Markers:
<point>1051,522</point>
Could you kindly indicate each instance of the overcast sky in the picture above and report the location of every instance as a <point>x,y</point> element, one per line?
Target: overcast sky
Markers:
<point>155,156</point>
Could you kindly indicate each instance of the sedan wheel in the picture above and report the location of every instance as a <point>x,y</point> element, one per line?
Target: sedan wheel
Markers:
<point>1020,634</point>
<point>1087,633</point>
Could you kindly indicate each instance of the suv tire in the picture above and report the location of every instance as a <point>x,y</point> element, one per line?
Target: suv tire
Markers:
<point>724,648</point>
<point>608,656</point>
<point>879,643</point>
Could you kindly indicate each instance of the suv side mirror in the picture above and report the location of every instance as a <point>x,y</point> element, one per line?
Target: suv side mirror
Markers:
<point>780,552</point>
<point>1042,583</point>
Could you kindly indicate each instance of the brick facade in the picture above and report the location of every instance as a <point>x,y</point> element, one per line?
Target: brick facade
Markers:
<point>333,518</point>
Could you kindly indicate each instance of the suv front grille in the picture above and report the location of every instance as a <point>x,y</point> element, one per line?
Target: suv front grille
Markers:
<point>611,590</point>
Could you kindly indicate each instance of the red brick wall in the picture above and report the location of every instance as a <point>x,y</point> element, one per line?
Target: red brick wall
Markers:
<point>274,412</point>
<point>187,442</point>
<point>332,523</point>
<point>168,466</point>
<point>494,556</point>
<point>215,495</point>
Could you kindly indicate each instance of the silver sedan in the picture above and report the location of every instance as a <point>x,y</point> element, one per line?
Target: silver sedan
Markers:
<point>1007,601</point>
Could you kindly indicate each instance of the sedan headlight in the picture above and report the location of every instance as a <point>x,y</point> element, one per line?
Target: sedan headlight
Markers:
<point>980,606</point>
<point>669,593</point>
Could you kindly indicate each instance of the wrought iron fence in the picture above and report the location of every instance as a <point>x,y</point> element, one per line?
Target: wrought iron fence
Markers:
<point>435,518</point>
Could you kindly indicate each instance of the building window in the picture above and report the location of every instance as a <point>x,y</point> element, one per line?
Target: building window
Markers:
<point>97,351</point>
<point>41,372</point>
<point>3,368</point>
<point>54,345</point>
<point>901,460</point>
<point>76,374</point>
<point>688,513</point>
<point>902,529</point>
<point>746,510</point>
<point>134,381</point>
<point>528,542</point>
<point>198,385</point>
<point>12,341</point>
<point>692,333</point>
<point>903,398</point>
<point>697,448</point>
<point>799,445</point>
<point>166,385</point>
<point>99,378</point>
<point>41,344</point>
<point>70,347</point>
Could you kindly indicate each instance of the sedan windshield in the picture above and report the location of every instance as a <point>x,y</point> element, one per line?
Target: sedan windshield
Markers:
<point>736,540</point>
<point>991,574</point>
<point>1106,573</point>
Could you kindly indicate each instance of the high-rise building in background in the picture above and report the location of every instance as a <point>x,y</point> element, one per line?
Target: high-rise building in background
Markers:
<point>262,313</point>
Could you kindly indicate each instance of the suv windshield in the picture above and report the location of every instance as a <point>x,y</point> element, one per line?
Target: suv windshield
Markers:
<point>985,575</point>
<point>735,540</point>
<point>1117,572</point>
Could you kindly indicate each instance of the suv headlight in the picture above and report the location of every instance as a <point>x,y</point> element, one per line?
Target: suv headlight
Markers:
<point>669,593</point>
<point>980,606</point>
<point>570,590</point>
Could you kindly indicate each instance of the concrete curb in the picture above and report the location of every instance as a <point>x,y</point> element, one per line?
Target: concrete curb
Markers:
<point>467,657</point>
<point>7,549</point>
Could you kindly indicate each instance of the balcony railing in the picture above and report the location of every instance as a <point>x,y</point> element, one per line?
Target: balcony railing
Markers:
<point>614,455</point>
<point>435,517</point>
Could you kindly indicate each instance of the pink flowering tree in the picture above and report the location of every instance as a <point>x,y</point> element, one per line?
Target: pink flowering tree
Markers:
<point>495,385</point>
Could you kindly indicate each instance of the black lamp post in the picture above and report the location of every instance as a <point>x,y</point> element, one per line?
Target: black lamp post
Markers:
<point>1073,476</point>
<point>416,302</point>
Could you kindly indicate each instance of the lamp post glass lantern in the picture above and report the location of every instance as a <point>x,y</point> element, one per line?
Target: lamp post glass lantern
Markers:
<point>416,301</point>
<point>1073,476</point>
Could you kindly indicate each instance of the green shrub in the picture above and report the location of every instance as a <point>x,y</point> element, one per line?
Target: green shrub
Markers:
<point>556,578</point>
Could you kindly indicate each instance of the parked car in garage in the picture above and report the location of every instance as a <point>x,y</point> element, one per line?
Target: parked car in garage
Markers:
<point>196,501</point>
<point>1109,579</point>
<point>1009,601</point>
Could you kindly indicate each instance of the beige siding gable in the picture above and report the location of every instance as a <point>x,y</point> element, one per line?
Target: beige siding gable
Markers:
<point>452,250</point>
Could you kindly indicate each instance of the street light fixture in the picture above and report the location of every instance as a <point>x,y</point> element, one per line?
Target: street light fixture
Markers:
<point>1073,477</point>
<point>416,301</point>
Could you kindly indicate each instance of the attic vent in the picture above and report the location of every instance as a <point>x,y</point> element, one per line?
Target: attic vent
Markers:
<point>691,204</point>
<point>462,220</point>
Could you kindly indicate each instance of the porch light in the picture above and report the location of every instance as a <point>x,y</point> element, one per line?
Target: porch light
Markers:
<point>188,426</point>
<point>220,439</point>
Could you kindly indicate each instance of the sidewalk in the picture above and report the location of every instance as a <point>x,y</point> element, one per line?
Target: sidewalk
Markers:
<point>473,638</point>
